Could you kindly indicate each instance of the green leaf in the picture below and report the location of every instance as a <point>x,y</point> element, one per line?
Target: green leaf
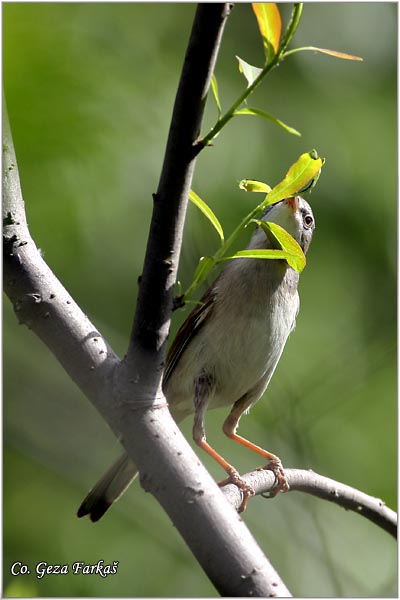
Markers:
<point>334,53</point>
<point>282,240</point>
<point>269,254</point>
<point>214,87</point>
<point>265,115</point>
<point>205,265</point>
<point>270,26</point>
<point>251,73</point>
<point>264,254</point>
<point>206,210</point>
<point>251,185</point>
<point>301,173</point>
<point>311,184</point>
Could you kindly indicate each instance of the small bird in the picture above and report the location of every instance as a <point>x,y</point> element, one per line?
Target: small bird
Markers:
<point>226,352</point>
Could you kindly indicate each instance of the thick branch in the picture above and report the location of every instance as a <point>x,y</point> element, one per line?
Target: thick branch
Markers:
<point>153,312</point>
<point>309,482</point>
<point>43,304</point>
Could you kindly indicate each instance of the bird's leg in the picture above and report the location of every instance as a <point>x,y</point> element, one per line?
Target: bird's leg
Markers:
<point>274,463</point>
<point>203,389</point>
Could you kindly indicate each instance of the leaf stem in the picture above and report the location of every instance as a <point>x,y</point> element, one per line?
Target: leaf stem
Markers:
<point>230,113</point>
<point>291,28</point>
<point>212,261</point>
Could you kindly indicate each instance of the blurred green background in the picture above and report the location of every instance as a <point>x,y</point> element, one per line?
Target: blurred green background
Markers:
<point>90,89</point>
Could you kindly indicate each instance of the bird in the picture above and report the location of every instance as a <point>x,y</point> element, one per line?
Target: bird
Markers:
<point>226,352</point>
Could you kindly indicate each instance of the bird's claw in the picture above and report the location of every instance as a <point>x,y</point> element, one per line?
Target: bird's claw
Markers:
<point>246,490</point>
<point>281,483</point>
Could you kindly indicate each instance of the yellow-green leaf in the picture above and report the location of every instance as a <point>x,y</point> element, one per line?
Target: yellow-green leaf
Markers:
<point>203,268</point>
<point>214,87</point>
<point>205,265</point>
<point>300,174</point>
<point>282,240</point>
<point>270,26</point>
<point>206,210</point>
<point>266,254</point>
<point>334,53</point>
<point>270,253</point>
<point>265,115</point>
<point>251,185</point>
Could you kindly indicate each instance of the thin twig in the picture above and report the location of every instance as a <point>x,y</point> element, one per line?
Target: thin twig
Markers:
<point>312,483</point>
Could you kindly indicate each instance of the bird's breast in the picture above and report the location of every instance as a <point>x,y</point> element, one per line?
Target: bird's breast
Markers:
<point>243,339</point>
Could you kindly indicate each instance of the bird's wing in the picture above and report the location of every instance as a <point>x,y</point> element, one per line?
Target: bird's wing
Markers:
<point>188,331</point>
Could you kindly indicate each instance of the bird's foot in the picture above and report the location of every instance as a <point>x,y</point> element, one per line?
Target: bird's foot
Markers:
<point>246,489</point>
<point>281,483</point>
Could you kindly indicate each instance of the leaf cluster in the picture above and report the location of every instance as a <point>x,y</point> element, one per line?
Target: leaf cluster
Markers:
<point>302,176</point>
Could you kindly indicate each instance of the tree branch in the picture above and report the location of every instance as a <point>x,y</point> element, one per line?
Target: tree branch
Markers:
<point>153,313</point>
<point>42,303</point>
<point>309,482</point>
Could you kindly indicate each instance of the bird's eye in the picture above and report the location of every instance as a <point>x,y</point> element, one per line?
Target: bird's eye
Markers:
<point>308,221</point>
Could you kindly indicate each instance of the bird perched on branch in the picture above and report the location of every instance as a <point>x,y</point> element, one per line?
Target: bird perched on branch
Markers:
<point>226,352</point>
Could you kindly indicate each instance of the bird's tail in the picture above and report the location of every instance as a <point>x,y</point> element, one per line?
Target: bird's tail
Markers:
<point>109,488</point>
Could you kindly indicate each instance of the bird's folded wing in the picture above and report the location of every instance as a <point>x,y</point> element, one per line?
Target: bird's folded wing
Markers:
<point>188,331</point>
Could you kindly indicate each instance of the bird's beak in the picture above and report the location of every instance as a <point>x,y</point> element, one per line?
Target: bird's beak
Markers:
<point>293,203</point>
